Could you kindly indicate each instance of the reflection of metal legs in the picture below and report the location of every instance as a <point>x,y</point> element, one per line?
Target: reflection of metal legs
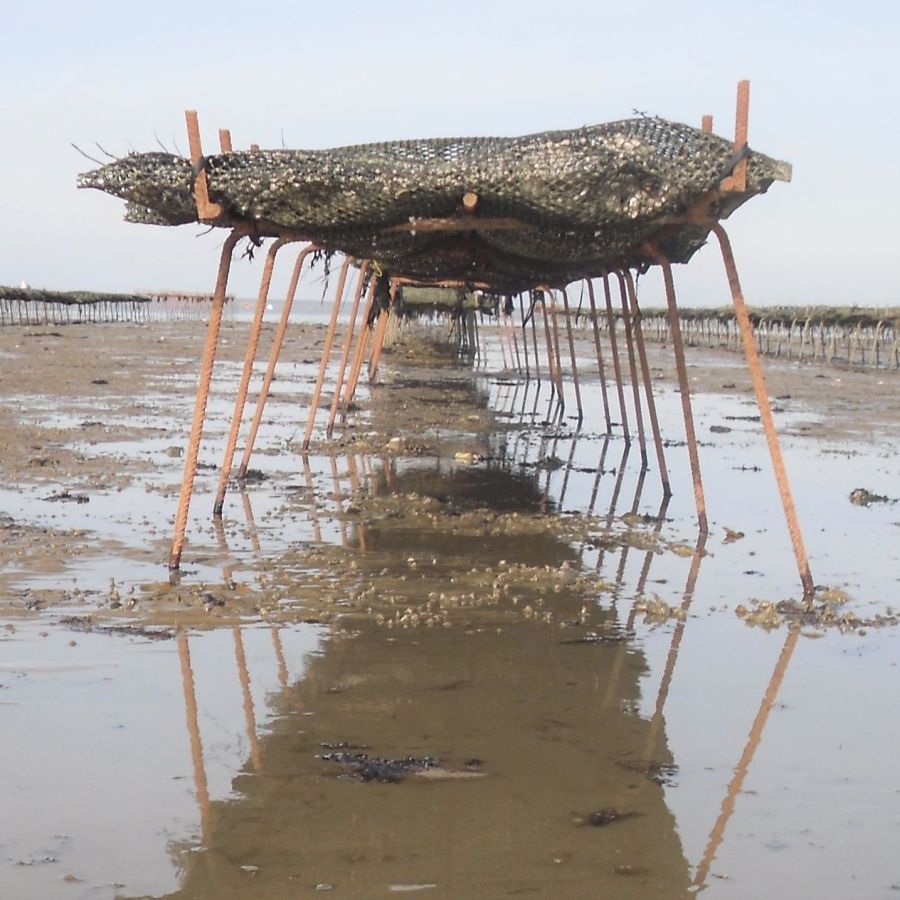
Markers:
<point>765,410</point>
<point>193,726</point>
<point>206,367</point>
<point>717,834</point>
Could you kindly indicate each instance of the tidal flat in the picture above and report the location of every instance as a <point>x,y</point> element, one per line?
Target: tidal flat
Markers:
<point>465,648</point>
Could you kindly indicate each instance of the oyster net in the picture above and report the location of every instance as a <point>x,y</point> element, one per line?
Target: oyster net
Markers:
<point>562,205</point>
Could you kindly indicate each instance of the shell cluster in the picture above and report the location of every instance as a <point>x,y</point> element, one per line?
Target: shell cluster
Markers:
<point>579,202</point>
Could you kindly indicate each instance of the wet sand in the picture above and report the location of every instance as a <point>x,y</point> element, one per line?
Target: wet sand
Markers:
<point>455,576</point>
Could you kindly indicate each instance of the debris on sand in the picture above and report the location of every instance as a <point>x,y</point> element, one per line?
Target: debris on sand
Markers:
<point>863,497</point>
<point>363,767</point>
<point>826,611</point>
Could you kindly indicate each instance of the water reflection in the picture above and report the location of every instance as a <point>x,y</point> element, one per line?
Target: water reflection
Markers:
<point>535,728</point>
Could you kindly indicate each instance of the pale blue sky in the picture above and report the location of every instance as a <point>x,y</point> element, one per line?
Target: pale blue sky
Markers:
<point>825,96</point>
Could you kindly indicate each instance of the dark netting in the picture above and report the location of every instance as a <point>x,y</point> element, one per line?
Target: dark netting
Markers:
<point>570,203</point>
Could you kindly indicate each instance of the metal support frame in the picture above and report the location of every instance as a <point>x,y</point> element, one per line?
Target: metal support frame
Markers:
<point>274,353</point>
<point>632,370</point>
<point>326,352</point>
<point>765,411</point>
<point>249,358</point>
<point>684,388</point>
<point>648,383</point>
<point>617,367</point>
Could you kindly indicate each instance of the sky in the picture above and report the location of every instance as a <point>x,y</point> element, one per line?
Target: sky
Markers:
<point>825,95</point>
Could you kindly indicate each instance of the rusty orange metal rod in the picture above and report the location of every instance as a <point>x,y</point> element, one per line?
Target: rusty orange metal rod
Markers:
<point>765,411</point>
<point>249,358</point>
<point>648,384</point>
<point>600,368</point>
<point>326,352</point>
<point>565,300</point>
<point>684,387</point>
<point>361,347</point>
<point>206,368</point>
<point>381,330</point>
<point>554,341</point>
<point>632,369</point>
<point>348,344</point>
<point>555,382</point>
<point>617,368</point>
<point>524,337</point>
<point>273,359</point>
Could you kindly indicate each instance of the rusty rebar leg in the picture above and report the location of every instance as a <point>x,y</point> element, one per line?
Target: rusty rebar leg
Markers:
<point>380,332</point>
<point>274,353</point>
<point>524,337</point>
<point>551,365</point>
<point>600,367</point>
<point>765,410</point>
<point>565,300</point>
<point>648,384</point>
<point>684,388</point>
<point>534,340</point>
<point>358,359</point>
<point>348,343</point>
<point>617,368</point>
<point>632,369</point>
<point>249,358</point>
<point>326,353</point>
<point>206,368</point>
<point>557,357</point>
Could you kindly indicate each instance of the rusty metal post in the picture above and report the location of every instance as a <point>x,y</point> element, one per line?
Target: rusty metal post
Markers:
<point>524,337</point>
<point>206,368</point>
<point>273,360</point>
<point>380,332</point>
<point>555,384</point>
<point>326,352</point>
<point>632,368</point>
<point>249,357</point>
<point>600,368</point>
<point>765,411</point>
<point>684,387</point>
<point>614,348</point>
<point>361,347</point>
<point>565,300</point>
<point>648,384</point>
<point>348,343</point>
